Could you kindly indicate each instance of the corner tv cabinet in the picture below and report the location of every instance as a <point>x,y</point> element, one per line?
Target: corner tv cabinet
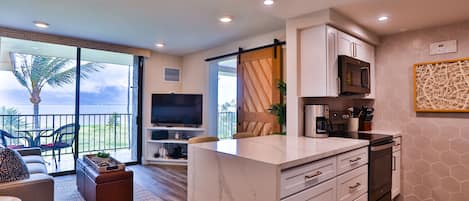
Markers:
<point>153,146</point>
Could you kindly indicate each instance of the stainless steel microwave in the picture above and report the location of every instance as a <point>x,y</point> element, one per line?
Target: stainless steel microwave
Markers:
<point>354,76</point>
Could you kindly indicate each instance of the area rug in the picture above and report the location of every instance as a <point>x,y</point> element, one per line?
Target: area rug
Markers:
<point>66,190</point>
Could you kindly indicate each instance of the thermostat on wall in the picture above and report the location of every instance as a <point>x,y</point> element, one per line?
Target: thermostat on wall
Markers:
<point>443,47</point>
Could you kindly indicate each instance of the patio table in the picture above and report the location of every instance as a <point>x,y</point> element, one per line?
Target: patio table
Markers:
<point>34,135</point>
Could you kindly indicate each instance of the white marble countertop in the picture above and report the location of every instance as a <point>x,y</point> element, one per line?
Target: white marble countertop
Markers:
<point>284,151</point>
<point>384,132</point>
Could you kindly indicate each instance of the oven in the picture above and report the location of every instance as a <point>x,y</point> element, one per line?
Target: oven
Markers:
<point>380,171</point>
<point>354,76</point>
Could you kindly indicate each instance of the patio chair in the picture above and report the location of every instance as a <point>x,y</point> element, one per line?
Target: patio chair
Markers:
<point>4,135</point>
<point>62,138</point>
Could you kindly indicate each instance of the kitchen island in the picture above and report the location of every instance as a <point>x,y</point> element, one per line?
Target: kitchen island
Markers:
<point>278,168</point>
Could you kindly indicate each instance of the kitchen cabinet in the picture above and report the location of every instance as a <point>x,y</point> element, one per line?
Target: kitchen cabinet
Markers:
<point>324,192</point>
<point>320,47</point>
<point>396,168</point>
<point>353,184</point>
<point>296,172</point>
<point>354,47</point>
<point>346,44</point>
<point>319,64</point>
<point>340,178</point>
<point>305,176</point>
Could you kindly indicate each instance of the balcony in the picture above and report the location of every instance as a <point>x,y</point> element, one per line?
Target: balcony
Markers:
<point>98,132</point>
<point>226,124</point>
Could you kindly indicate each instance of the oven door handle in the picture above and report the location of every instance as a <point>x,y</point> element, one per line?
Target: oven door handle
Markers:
<point>382,147</point>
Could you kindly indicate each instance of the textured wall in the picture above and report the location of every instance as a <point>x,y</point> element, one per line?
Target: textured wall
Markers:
<point>435,146</point>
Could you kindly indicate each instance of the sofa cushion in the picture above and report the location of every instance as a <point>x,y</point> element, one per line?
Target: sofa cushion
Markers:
<point>35,168</point>
<point>33,159</point>
<point>12,166</point>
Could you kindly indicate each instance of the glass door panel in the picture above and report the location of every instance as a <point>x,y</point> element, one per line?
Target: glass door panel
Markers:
<point>108,99</point>
<point>37,99</point>
<point>227,94</point>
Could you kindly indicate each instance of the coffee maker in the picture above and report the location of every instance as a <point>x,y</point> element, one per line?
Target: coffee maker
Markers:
<point>317,124</point>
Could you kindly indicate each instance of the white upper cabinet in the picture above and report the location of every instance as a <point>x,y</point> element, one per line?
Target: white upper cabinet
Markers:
<point>318,56</point>
<point>319,50</point>
<point>346,44</point>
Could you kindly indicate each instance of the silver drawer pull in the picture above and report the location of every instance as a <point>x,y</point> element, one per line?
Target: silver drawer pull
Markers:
<point>399,144</point>
<point>355,160</point>
<point>313,175</point>
<point>355,186</point>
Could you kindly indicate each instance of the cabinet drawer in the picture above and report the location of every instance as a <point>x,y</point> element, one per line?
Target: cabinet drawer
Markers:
<point>352,160</point>
<point>363,197</point>
<point>326,191</point>
<point>397,144</point>
<point>353,184</point>
<point>298,178</point>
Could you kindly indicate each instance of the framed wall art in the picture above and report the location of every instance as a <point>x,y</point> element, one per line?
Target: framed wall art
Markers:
<point>442,86</point>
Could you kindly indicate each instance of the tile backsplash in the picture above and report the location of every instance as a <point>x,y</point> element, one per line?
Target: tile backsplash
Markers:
<point>339,106</point>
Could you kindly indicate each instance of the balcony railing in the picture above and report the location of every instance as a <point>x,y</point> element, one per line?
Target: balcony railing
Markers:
<point>98,132</point>
<point>226,124</point>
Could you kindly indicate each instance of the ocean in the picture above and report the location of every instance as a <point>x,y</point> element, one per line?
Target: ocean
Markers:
<point>70,109</point>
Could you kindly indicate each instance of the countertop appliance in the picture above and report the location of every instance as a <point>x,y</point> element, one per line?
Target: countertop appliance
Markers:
<point>380,163</point>
<point>317,122</point>
<point>354,76</point>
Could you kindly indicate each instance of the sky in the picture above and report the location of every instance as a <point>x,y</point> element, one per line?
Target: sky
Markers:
<point>226,89</point>
<point>108,86</point>
<point>227,85</point>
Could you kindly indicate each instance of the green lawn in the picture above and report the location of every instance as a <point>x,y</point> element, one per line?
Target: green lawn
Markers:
<point>98,138</point>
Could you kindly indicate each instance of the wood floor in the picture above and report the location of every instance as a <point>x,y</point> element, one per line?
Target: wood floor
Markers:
<point>166,182</point>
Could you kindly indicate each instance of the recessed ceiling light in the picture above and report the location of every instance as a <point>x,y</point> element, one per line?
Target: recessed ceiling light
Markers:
<point>160,45</point>
<point>268,2</point>
<point>226,19</point>
<point>383,18</point>
<point>41,24</point>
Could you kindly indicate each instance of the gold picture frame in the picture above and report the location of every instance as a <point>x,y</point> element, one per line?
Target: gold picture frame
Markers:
<point>442,86</point>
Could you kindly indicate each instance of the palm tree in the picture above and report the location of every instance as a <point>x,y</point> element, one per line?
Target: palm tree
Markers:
<point>11,119</point>
<point>34,72</point>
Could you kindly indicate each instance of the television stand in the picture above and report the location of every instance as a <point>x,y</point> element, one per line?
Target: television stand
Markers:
<point>153,146</point>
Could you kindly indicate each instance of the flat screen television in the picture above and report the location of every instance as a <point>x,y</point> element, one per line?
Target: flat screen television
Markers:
<point>176,109</point>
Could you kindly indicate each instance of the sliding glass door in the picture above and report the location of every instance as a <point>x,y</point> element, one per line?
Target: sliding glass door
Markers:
<point>37,98</point>
<point>47,102</point>
<point>223,93</point>
<point>108,102</point>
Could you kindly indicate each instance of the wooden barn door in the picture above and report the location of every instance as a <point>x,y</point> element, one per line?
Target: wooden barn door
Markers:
<point>258,73</point>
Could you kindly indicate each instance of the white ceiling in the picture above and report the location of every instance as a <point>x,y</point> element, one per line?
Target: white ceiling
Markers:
<point>187,26</point>
<point>405,15</point>
<point>184,25</point>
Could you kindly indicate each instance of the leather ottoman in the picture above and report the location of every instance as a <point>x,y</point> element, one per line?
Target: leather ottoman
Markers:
<point>111,186</point>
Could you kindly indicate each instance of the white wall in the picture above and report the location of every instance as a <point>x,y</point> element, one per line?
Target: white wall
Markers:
<point>196,70</point>
<point>153,81</point>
